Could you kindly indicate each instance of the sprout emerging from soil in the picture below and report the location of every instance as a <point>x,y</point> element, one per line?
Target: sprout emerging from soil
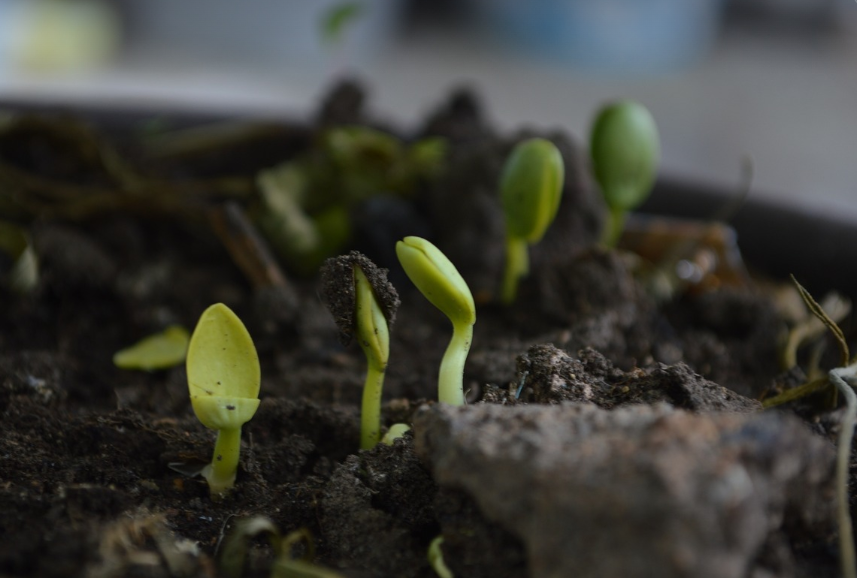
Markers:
<point>396,431</point>
<point>530,189</point>
<point>624,146</point>
<point>223,377</point>
<point>441,283</point>
<point>435,558</point>
<point>362,301</point>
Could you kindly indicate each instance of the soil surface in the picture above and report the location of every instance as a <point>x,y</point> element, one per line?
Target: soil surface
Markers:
<point>87,485</point>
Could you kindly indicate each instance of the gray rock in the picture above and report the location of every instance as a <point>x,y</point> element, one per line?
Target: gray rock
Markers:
<point>640,491</point>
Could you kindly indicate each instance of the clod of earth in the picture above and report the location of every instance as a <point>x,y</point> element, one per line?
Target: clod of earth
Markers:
<point>638,491</point>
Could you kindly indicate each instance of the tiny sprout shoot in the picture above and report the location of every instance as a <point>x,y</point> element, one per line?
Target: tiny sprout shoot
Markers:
<point>530,190</point>
<point>624,147</point>
<point>223,377</point>
<point>160,351</point>
<point>441,283</point>
<point>396,431</point>
<point>363,301</point>
<point>435,558</point>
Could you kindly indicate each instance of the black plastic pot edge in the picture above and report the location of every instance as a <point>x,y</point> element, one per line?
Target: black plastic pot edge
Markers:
<point>776,239</point>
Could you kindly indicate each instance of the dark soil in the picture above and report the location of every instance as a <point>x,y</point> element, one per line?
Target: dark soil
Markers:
<point>86,487</point>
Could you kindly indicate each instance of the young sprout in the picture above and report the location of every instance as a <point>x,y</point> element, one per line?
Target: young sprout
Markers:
<point>396,431</point>
<point>441,283</point>
<point>624,147</point>
<point>530,190</point>
<point>363,301</point>
<point>223,377</point>
<point>435,558</point>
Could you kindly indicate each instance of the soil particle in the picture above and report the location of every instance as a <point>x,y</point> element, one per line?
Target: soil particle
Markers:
<point>339,292</point>
<point>460,119</point>
<point>549,375</point>
<point>343,105</point>
<point>377,512</point>
<point>672,493</point>
<point>72,260</point>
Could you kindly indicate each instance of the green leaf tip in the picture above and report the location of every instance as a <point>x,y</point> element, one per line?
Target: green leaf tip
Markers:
<point>531,188</point>
<point>159,351</point>
<point>437,278</point>
<point>337,18</point>
<point>222,370</point>
<point>625,148</point>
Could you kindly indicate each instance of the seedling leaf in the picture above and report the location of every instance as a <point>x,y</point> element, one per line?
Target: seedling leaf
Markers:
<point>531,188</point>
<point>159,351</point>
<point>437,278</point>
<point>221,357</point>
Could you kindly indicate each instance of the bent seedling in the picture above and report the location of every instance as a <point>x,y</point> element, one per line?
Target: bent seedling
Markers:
<point>441,283</point>
<point>223,377</point>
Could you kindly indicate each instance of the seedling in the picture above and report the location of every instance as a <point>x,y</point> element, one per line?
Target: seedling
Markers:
<point>363,301</point>
<point>624,147</point>
<point>530,190</point>
<point>223,377</point>
<point>441,283</point>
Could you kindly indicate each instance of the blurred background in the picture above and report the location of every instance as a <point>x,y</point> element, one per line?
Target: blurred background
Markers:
<point>773,79</point>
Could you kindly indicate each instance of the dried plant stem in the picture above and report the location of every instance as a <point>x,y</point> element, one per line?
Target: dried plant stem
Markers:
<point>846,433</point>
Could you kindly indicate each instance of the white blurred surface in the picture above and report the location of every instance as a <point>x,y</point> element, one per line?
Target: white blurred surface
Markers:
<point>791,106</point>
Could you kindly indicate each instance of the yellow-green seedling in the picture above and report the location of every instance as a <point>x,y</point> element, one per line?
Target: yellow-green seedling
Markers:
<point>435,558</point>
<point>624,147</point>
<point>223,377</point>
<point>441,283</point>
<point>159,351</point>
<point>530,190</point>
<point>396,431</point>
<point>362,301</point>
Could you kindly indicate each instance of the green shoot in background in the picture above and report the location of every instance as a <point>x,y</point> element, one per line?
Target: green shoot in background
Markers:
<point>336,20</point>
<point>362,301</point>
<point>530,190</point>
<point>305,204</point>
<point>223,378</point>
<point>624,147</point>
<point>441,283</point>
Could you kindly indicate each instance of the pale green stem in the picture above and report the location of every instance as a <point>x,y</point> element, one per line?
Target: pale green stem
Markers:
<point>613,227</point>
<point>220,473</point>
<point>370,415</point>
<point>846,435</point>
<point>451,382</point>
<point>517,266</point>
